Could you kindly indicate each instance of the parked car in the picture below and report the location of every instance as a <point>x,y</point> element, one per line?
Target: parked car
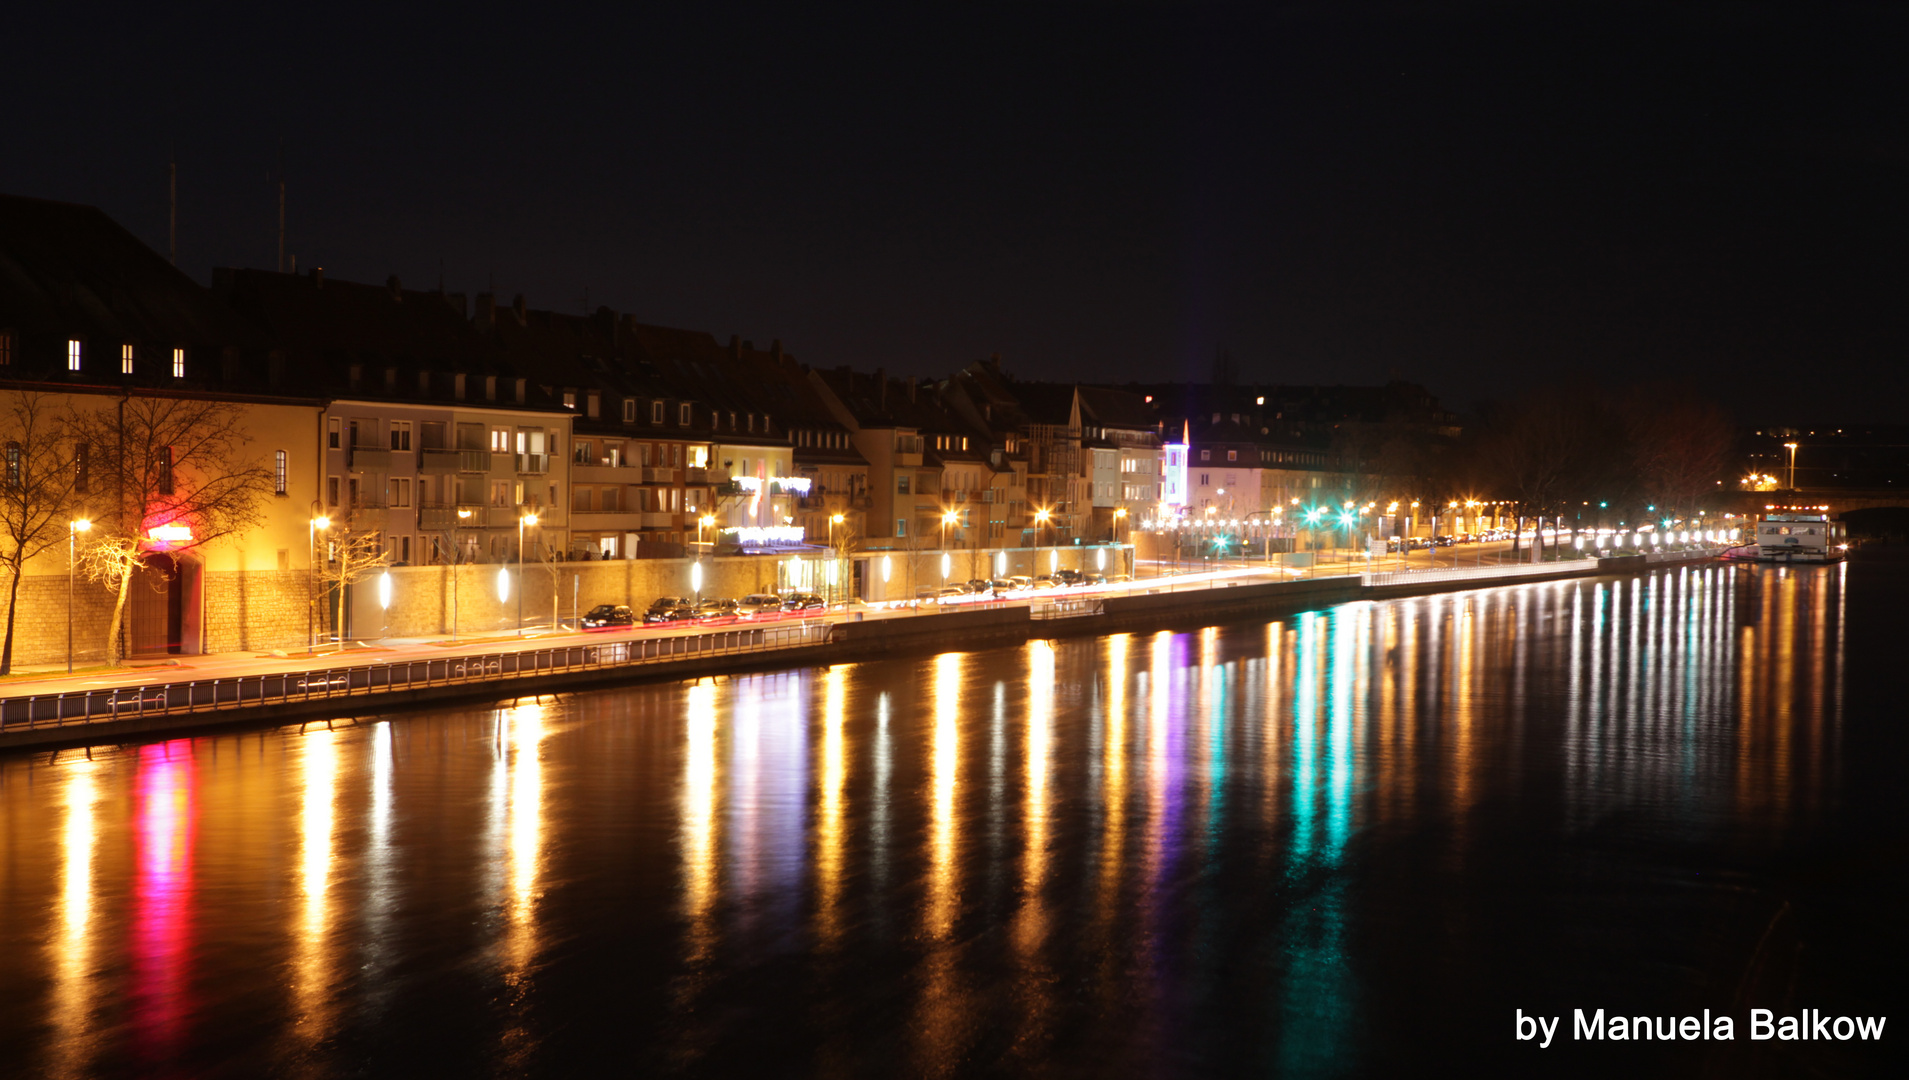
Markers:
<point>608,615</point>
<point>1067,577</point>
<point>980,586</point>
<point>950,592</point>
<point>669,609</point>
<point>1093,579</point>
<point>804,602</point>
<point>759,604</point>
<point>1001,586</point>
<point>1019,582</point>
<point>715,608</point>
<point>1045,582</point>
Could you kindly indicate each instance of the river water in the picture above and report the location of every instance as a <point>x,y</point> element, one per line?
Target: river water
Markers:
<point>1352,841</point>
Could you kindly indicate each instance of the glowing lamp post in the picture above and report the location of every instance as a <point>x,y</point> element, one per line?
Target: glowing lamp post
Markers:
<point>72,561</point>
<point>836,556</point>
<point>1041,518</point>
<point>1791,447</point>
<point>318,524</point>
<point>523,522</point>
<point>457,556</point>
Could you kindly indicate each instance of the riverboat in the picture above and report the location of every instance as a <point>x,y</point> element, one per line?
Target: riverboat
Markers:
<point>1800,534</point>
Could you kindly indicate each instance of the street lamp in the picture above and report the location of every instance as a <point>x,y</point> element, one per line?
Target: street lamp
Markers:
<point>319,522</point>
<point>834,520</point>
<point>72,561</point>
<point>464,513</point>
<point>1792,448</point>
<point>526,520</point>
<point>1041,518</point>
<point>704,522</point>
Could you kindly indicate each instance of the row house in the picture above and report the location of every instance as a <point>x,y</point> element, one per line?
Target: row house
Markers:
<point>94,323</point>
<point>432,443</point>
<point>930,478</point>
<point>641,447</point>
<point>1123,436</point>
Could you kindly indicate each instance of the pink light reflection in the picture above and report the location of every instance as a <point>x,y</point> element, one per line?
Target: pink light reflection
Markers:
<point>161,949</point>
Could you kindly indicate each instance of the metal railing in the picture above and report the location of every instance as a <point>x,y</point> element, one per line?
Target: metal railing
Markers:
<point>364,681</point>
<point>1065,609</point>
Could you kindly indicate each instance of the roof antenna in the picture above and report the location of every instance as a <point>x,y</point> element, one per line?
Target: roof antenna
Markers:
<point>172,205</point>
<point>281,206</point>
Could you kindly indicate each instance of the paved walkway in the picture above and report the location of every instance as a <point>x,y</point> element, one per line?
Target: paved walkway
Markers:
<point>52,679</point>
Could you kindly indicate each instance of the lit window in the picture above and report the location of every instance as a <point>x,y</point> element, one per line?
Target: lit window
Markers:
<point>569,399</point>
<point>278,472</point>
<point>125,359</point>
<point>178,363</point>
<point>72,354</point>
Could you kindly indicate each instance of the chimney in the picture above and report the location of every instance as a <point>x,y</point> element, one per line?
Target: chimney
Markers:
<point>735,346</point>
<point>911,389</point>
<point>517,305</point>
<point>397,289</point>
<point>318,277</point>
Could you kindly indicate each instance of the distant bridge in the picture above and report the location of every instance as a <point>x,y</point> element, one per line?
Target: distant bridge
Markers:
<point>1839,500</point>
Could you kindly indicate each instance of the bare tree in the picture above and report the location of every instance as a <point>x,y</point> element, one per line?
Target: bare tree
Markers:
<point>843,541</point>
<point>1681,445</point>
<point>351,553</point>
<point>40,491</point>
<point>173,475</point>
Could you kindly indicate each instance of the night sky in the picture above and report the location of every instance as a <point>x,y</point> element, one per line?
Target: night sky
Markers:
<point>1474,196</point>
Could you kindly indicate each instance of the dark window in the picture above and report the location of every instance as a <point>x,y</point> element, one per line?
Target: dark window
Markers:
<point>162,466</point>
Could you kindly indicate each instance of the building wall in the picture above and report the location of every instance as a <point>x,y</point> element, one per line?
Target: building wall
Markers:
<point>242,595</point>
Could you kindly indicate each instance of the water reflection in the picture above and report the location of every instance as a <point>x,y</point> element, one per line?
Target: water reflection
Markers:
<point>71,944</point>
<point>315,958</point>
<point>1107,855</point>
<point>165,818</point>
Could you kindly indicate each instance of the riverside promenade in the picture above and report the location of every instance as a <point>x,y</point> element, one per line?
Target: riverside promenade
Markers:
<point>192,693</point>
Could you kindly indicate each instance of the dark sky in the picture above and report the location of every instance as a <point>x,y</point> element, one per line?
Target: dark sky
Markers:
<point>1477,196</point>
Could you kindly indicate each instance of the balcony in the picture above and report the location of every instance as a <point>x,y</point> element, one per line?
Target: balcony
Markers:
<point>695,474</point>
<point>474,461</point>
<point>654,520</point>
<point>653,474</point>
<point>533,464</point>
<point>369,459</point>
<point>441,517</point>
<point>438,461</point>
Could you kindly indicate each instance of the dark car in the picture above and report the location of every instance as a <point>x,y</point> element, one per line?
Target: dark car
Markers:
<point>608,615</point>
<point>1067,577</point>
<point>1093,579</point>
<point>669,609</point>
<point>980,586</point>
<point>804,602</point>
